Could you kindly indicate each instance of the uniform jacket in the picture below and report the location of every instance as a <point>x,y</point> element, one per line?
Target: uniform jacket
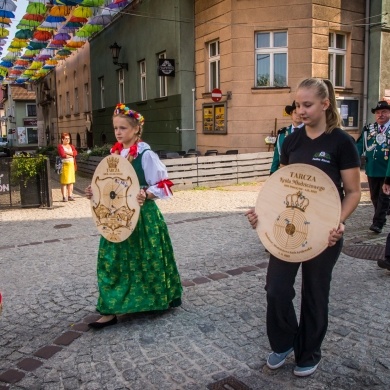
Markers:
<point>375,148</point>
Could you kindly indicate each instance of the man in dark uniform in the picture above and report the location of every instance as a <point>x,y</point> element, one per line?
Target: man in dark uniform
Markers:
<point>374,143</point>
<point>283,133</point>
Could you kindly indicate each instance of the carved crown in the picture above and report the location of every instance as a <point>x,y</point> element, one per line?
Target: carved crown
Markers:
<point>112,162</point>
<point>297,201</point>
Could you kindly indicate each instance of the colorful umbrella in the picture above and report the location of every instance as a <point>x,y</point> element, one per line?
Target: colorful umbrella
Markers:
<point>61,36</point>
<point>66,2</point>
<point>7,5</point>
<point>3,32</point>
<point>92,3</point>
<point>36,8</point>
<point>64,52</point>
<point>36,45</point>
<point>36,17</point>
<point>55,19</point>
<point>77,19</point>
<point>117,4</point>
<point>22,62</point>
<point>100,20</point>
<point>6,14</point>
<point>24,34</point>
<point>82,12</point>
<point>6,64</point>
<point>49,25</point>
<point>30,24</point>
<point>5,21</point>
<point>42,35</point>
<point>17,43</point>
<point>74,44</point>
<point>83,34</point>
<point>60,10</point>
<point>92,28</point>
<point>3,42</point>
<point>72,26</point>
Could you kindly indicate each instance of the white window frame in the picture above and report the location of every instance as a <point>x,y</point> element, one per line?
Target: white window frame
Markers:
<point>163,80</point>
<point>142,72</point>
<point>101,86</point>
<point>271,51</point>
<point>335,54</point>
<point>121,85</point>
<point>213,64</point>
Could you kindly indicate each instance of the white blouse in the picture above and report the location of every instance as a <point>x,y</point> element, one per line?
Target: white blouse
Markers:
<point>155,171</point>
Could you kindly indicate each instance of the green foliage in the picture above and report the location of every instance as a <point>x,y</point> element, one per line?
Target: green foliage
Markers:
<point>47,150</point>
<point>100,151</point>
<point>24,167</point>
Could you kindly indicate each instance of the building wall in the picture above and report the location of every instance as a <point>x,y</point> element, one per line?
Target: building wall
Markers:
<point>253,113</point>
<point>71,73</point>
<point>166,27</point>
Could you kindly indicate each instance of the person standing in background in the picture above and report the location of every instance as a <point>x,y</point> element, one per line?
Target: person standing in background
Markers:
<point>373,143</point>
<point>283,133</point>
<point>68,154</point>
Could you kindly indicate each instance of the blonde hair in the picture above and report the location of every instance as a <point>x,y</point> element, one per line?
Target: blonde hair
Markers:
<point>324,90</point>
<point>133,123</point>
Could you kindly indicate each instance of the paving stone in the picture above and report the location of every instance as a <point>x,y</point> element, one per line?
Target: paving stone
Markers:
<point>66,338</point>
<point>48,351</point>
<point>11,376</point>
<point>29,364</point>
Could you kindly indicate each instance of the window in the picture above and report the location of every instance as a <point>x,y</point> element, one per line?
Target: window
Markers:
<point>121,77</point>
<point>59,107</point>
<point>31,109</point>
<point>67,108</point>
<point>214,67</point>
<point>142,70</point>
<point>101,83</point>
<point>271,59</point>
<point>162,80</point>
<point>337,56</point>
<point>76,101</point>
<point>86,97</point>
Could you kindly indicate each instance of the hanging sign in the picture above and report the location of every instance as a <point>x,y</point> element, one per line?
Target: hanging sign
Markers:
<point>166,67</point>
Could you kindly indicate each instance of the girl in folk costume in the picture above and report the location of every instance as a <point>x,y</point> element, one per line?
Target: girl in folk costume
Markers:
<point>140,273</point>
<point>68,154</point>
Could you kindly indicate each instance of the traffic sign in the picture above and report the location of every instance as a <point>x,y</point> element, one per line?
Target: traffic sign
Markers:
<point>216,95</point>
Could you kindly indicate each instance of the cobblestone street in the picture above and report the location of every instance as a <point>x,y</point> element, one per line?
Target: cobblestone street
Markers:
<point>48,281</point>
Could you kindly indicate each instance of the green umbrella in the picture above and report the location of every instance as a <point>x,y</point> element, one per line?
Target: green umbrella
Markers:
<point>24,34</point>
<point>36,9</point>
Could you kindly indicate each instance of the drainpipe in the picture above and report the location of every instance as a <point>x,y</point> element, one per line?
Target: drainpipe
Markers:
<point>365,76</point>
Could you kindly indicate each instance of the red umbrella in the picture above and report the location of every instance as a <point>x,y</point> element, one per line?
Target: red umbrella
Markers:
<point>78,19</point>
<point>36,17</point>
<point>42,35</point>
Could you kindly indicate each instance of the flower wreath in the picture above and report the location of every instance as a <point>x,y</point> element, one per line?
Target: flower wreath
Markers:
<point>121,109</point>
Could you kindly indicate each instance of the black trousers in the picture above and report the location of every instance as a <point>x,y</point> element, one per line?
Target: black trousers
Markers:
<point>379,199</point>
<point>283,329</point>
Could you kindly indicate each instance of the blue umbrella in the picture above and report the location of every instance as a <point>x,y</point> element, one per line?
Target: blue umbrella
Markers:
<point>6,64</point>
<point>6,14</point>
<point>55,19</point>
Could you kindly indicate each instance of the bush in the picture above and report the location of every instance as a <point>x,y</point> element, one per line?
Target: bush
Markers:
<point>47,150</point>
<point>26,166</point>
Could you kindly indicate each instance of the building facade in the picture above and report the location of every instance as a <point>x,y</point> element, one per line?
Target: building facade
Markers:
<point>154,73</point>
<point>256,53</point>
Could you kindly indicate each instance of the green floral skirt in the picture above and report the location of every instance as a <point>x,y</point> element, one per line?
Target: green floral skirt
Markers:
<point>140,273</point>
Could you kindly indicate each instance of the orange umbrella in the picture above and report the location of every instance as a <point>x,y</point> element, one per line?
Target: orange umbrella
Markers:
<point>42,35</point>
<point>60,10</point>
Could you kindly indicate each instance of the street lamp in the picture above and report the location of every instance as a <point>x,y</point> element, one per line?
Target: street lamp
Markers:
<point>115,50</point>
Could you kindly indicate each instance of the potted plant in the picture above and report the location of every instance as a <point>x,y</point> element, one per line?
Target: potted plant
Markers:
<point>25,171</point>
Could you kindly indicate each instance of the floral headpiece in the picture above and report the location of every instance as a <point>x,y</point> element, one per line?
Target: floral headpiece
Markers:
<point>123,110</point>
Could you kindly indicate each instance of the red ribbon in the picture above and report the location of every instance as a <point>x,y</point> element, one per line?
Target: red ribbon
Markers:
<point>133,150</point>
<point>166,184</point>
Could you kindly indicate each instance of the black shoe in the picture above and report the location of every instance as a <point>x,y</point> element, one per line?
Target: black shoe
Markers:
<point>101,325</point>
<point>375,229</point>
<point>384,264</point>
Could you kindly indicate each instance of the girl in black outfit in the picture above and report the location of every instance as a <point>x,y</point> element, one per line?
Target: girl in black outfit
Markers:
<point>321,136</point>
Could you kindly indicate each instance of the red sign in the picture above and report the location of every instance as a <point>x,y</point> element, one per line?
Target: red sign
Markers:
<point>216,95</point>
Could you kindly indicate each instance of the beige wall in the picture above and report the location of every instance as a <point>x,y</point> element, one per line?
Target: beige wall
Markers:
<point>252,112</point>
<point>71,73</point>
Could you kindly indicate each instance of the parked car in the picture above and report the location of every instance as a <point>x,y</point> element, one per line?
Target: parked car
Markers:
<point>4,150</point>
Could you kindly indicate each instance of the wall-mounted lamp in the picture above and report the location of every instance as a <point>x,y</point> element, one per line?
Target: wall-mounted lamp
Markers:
<point>115,49</point>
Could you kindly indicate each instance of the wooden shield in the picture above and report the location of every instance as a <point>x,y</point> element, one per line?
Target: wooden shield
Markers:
<point>297,207</point>
<point>114,205</point>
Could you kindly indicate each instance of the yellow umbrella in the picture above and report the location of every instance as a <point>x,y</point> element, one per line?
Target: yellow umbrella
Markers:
<point>35,65</point>
<point>74,44</point>
<point>82,12</point>
<point>3,32</point>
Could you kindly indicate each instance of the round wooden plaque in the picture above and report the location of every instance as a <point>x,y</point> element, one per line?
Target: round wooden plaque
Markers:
<point>297,207</point>
<point>114,205</point>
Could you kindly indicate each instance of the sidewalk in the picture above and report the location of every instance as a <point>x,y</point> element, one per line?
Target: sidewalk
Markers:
<point>48,280</point>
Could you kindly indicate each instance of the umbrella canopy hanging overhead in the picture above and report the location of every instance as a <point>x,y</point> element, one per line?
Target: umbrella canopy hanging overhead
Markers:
<point>42,35</point>
<point>33,45</point>
<point>17,43</point>
<point>92,3</point>
<point>66,2</point>
<point>36,8</point>
<point>83,34</point>
<point>100,20</point>
<point>5,20</point>
<point>60,10</point>
<point>117,4</point>
<point>77,19</point>
<point>61,36</point>
<point>36,17</point>
<point>6,14</point>
<point>49,25</point>
<point>30,24</point>
<point>74,44</point>
<point>24,34</point>
<point>64,52</point>
<point>55,19</point>
<point>7,5</point>
<point>3,32</point>
<point>92,28</point>
<point>82,12</point>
